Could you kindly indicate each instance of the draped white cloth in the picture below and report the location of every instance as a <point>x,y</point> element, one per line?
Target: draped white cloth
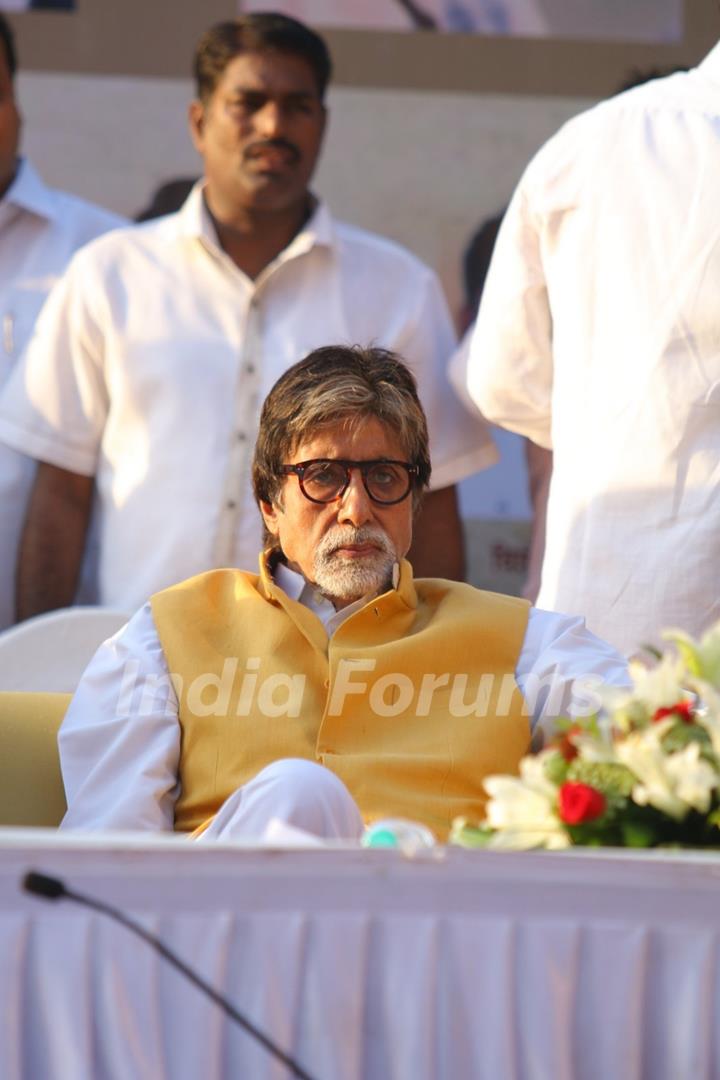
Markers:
<point>362,964</point>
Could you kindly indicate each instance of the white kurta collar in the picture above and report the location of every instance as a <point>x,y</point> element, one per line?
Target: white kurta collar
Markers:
<point>28,192</point>
<point>195,221</point>
<point>297,588</point>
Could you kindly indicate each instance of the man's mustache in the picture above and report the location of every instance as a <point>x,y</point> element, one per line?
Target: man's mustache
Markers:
<point>256,148</point>
<point>345,536</point>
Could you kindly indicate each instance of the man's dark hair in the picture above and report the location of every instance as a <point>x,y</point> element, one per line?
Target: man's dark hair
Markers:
<point>260,32</point>
<point>166,199</point>
<point>640,76</point>
<point>7,39</point>
<point>334,385</point>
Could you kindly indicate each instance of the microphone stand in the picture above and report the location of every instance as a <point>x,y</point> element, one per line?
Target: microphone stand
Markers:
<point>50,888</point>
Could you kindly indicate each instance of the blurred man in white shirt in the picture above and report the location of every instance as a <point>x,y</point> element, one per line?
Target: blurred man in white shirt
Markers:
<point>598,337</point>
<point>40,229</point>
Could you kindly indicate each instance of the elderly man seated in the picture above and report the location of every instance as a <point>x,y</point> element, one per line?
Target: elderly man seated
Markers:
<point>331,688</point>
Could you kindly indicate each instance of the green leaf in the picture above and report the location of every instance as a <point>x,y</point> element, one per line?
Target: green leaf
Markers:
<point>637,834</point>
<point>555,768</point>
<point>610,777</point>
<point>470,836</point>
<point>682,735</point>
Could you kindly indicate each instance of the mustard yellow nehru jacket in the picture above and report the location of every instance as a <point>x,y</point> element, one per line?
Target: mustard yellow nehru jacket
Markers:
<point>411,702</point>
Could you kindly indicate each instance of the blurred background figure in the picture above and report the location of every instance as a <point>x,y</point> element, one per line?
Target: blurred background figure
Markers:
<point>598,337</point>
<point>40,229</point>
<point>506,555</point>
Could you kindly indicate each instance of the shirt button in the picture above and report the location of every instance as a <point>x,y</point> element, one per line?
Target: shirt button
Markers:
<point>250,369</point>
<point>231,504</point>
<point>241,436</point>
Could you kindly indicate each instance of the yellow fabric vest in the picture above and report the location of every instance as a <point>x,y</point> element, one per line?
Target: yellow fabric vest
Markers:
<point>411,702</point>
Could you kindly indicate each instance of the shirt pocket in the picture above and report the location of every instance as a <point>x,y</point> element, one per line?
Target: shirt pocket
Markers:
<point>19,310</point>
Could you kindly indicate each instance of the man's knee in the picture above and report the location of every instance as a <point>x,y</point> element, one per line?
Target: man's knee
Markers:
<point>301,773</point>
<point>309,795</point>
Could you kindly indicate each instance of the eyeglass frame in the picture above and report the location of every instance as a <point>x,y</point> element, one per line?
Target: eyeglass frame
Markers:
<point>299,468</point>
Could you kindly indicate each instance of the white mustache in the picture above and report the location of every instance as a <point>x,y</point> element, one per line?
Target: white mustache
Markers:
<point>344,536</point>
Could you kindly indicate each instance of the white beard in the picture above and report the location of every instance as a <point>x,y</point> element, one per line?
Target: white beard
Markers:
<point>348,580</point>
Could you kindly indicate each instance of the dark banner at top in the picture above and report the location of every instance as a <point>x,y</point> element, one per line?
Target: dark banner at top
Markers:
<point>37,5</point>
<point>593,20</point>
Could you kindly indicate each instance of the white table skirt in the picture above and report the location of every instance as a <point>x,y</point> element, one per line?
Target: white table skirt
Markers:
<point>364,965</point>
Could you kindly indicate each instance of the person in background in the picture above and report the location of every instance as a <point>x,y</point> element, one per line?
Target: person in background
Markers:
<point>334,687</point>
<point>598,338</point>
<point>476,263</point>
<point>40,229</point>
<point>150,364</point>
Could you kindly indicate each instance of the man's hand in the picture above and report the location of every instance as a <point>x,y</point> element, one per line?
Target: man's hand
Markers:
<point>438,548</point>
<point>53,540</point>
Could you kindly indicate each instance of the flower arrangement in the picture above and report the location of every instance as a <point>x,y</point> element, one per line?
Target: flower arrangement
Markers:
<point>644,772</point>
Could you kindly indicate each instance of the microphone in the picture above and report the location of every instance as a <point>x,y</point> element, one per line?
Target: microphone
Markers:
<point>50,888</point>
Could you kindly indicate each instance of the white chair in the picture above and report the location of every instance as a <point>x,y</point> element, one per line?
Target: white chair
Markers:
<point>50,652</point>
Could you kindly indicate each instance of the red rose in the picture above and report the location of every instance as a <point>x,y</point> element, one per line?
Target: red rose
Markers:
<point>684,711</point>
<point>580,803</point>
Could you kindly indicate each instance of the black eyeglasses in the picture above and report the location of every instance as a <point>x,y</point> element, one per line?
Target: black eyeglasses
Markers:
<point>323,480</point>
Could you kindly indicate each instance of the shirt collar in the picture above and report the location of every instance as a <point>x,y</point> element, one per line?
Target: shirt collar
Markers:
<point>28,192</point>
<point>195,222</point>
<point>297,588</point>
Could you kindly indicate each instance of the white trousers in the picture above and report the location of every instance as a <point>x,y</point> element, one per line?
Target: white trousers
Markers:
<point>297,792</point>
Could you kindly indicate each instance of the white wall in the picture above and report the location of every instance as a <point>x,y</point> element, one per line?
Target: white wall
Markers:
<point>424,168</point>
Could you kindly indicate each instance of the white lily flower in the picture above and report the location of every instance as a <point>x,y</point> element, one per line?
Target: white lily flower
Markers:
<point>523,809</point>
<point>708,714</point>
<point>653,688</point>
<point>701,657</point>
<point>661,686</point>
<point>643,754</point>
<point>672,783</point>
<point>693,777</point>
<point>595,748</point>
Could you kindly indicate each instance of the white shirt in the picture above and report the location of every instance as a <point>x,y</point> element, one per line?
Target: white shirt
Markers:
<point>40,229</point>
<point>120,739</point>
<point>153,358</point>
<point>599,336</point>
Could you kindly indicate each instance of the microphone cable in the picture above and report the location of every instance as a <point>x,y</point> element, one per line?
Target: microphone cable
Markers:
<point>51,888</point>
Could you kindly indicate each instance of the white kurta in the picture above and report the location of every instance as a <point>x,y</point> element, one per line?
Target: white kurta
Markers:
<point>155,353</point>
<point>599,336</point>
<point>40,229</point>
<point>120,740</point>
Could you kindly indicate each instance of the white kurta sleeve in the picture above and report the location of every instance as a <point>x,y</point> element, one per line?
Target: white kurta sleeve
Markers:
<point>120,739</point>
<point>55,404</point>
<point>561,667</point>
<point>510,365</point>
